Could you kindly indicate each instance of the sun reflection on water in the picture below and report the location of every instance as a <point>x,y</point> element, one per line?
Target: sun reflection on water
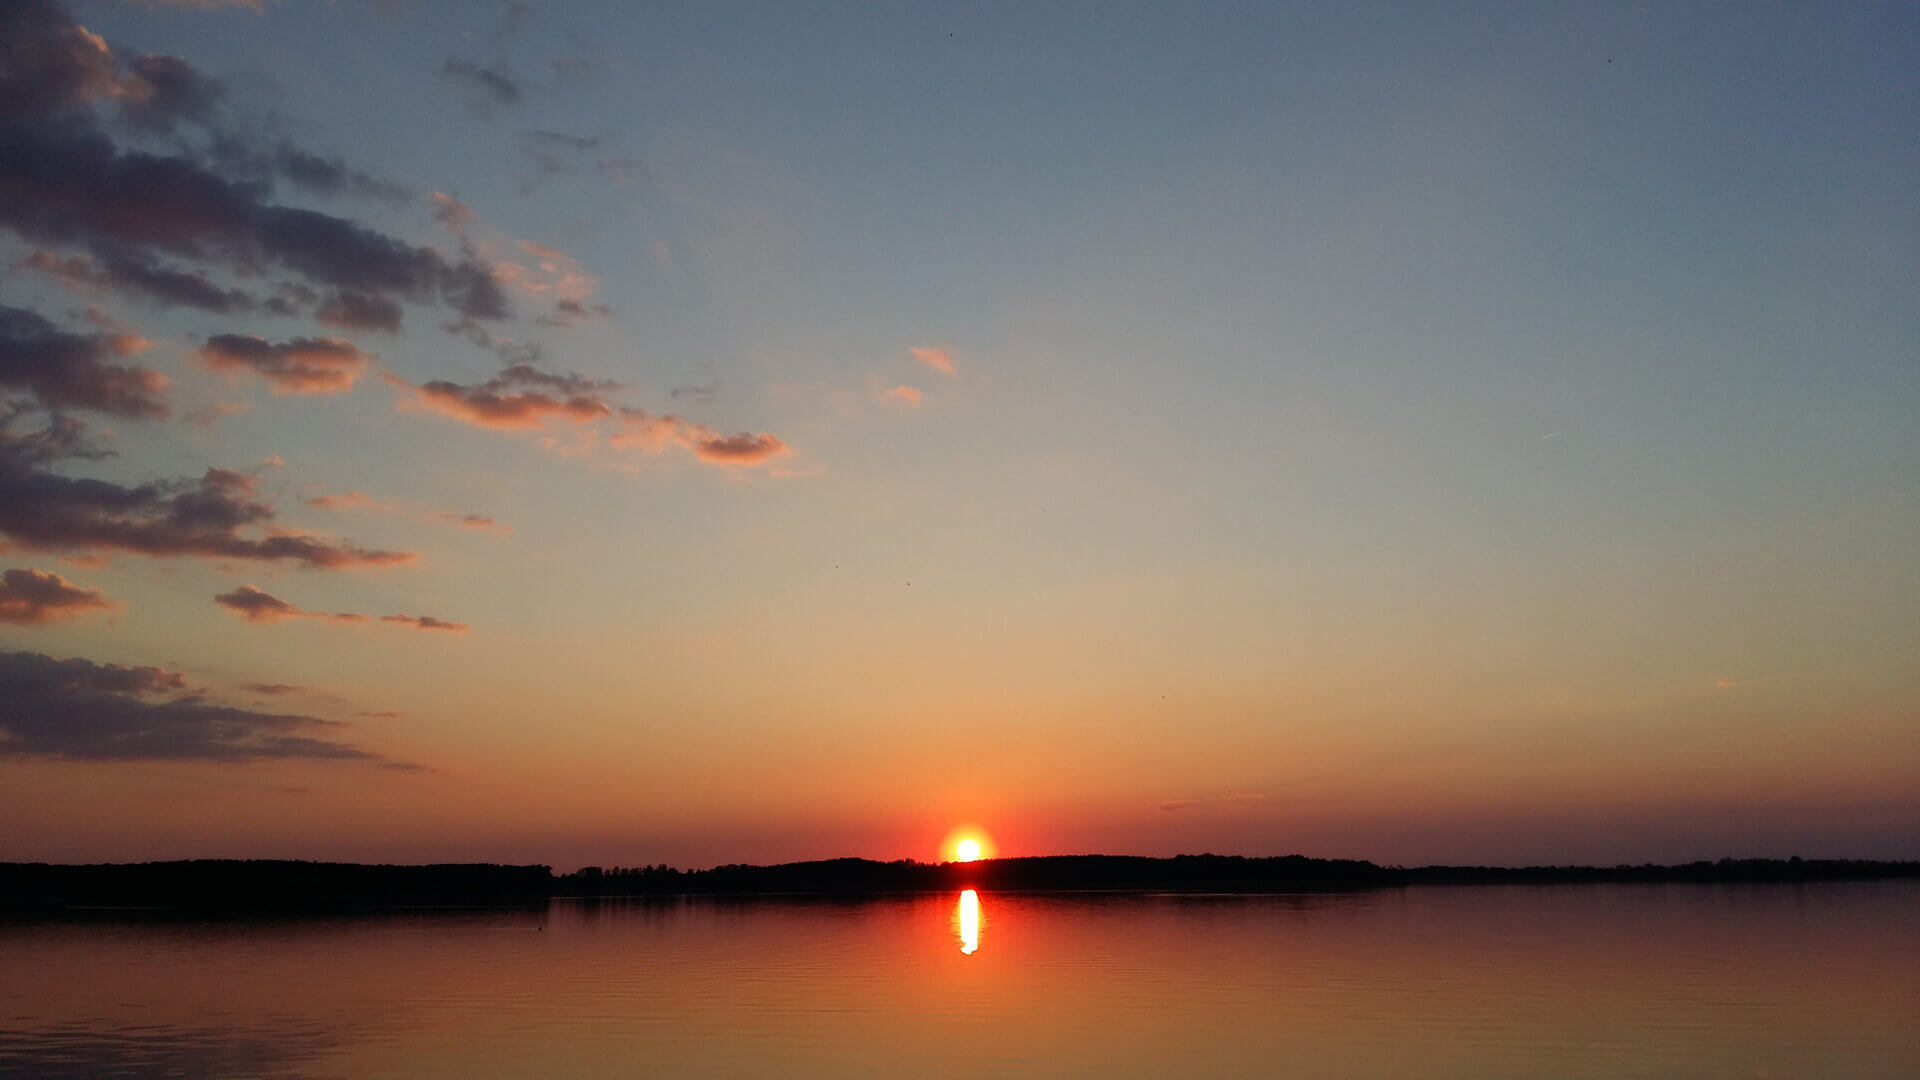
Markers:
<point>966,921</point>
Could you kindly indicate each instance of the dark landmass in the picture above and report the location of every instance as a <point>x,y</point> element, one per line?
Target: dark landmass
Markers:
<point>241,887</point>
<point>268,886</point>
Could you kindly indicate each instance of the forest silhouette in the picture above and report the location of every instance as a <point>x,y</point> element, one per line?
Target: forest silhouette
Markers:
<point>247,886</point>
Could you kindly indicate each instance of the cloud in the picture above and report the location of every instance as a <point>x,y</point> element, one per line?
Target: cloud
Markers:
<point>303,366</point>
<point>742,449</point>
<point>64,370</point>
<point>214,517</point>
<point>350,500</point>
<point>425,622</point>
<point>211,414</point>
<point>321,175</point>
<point>639,428</point>
<point>351,310</point>
<point>475,521</point>
<point>551,154</point>
<point>522,396</point>
<point>254,605</point>
<point>360,500</point>
<point>271,689</point>
<point>34,598</point>
<point>453,213</point>
<point>482,89</point>
<point>64,181</point>
<point>78,710</point>
<point>258,7</point>
<point>934,357</point>
<point>57,187</point>
<point>257,606</point>
<point>905,394</point>
<point>699,394</point>
<point>138,274</point>
<point>516,398</point>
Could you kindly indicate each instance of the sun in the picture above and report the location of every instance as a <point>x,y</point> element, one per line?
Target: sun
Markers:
<point>967,843</point>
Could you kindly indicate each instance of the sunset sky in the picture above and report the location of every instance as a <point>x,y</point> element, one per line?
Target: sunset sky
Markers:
<point>701,433</point>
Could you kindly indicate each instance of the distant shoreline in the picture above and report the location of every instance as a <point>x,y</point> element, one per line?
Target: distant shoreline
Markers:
<point>293,887</point>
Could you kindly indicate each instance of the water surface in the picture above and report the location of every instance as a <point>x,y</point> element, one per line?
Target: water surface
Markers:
<point>1573,981</point>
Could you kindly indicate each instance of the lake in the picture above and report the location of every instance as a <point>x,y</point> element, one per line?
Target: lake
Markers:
<point>1518,981</point>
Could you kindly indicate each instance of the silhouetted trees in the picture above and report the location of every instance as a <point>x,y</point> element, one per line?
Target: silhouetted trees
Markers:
<point>281,886</point>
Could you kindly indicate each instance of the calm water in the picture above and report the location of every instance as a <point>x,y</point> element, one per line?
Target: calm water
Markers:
<point>1602,981</point>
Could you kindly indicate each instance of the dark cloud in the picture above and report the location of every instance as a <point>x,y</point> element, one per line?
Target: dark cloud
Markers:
<point>559,140</point>
<point>35,597</point>
<point>696,393</point>
<point>482,89</point>
<point>134,272</point>
<point>360,311</point>
<point>65,182</point>
<point>48,64</point>
<point>303,366</point>
<point>163,91</point>
<point>59,188</point>
<point>526,375</point>
<point>271,689</point>
<point>255,606</point>
<point>79,710</point>
<point>215,517</point>
<point>63,370</point>
<point>569,311</point>
<point>331,176</point>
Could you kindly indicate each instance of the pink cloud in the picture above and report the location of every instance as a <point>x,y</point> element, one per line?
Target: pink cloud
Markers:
<point>904,394</point>
<point>654,433</point>
<point>935,357</point>
<point>360,500</point>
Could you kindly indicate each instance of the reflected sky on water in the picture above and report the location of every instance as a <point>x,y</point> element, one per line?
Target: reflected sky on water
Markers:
<point>1603,981</point>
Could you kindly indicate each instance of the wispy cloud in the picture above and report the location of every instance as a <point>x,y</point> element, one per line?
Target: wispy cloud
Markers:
<point>218,516</point>
<point>361,501</point>
<point>255,605</point>
<point>904,394</point>
<point>78,710</point>
<point>482,88</point>
<point>935,357</point>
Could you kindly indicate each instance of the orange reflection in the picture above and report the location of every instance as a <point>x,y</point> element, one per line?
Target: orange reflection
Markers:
<point>966,921</point>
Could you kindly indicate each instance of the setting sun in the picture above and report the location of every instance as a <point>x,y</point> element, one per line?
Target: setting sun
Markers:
<point>967,843</point>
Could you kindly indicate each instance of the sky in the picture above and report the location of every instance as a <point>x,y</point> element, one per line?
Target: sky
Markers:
<point>620,434</point>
